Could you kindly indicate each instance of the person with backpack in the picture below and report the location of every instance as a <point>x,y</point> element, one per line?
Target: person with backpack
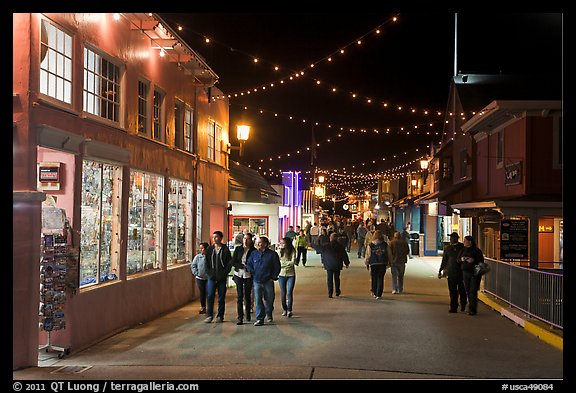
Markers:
<point>378,257</point>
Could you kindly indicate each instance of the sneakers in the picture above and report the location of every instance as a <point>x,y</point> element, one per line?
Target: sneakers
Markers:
<point>202,311</point>
<point>337,293</point>
<point>269,319</point>
<point>394,292</point>
<point>219,319</point>
<point>330,296</point>
<point>259,322</point>
<point>289,314</point>
<point>284,313</point>
<point>240,321</point>
<point>463,308</point>
<point>208,320</point>
<point>377,297</point>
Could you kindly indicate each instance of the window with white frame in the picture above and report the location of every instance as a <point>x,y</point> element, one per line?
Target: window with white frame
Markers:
<point>179,222</point>
<point>101,86</point>
<point>143,109</point>
<point>214,138</point>
<point>211,140</point>
<point>55,62</point>
<point>179,124</point>
<point>158,119</point>
<point>188,131</point>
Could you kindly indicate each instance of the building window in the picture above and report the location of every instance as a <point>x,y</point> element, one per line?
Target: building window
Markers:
<point>100,222</point>
<point>145,222</point>
<point>211,140</point>
<point>179,222</point>
<point>179,124</point>
<point>143,91</point>
<point>158,118</point>
<point>55,63</point>
<point>188,137</point>
<point>199,190</point>
<point>101,86</point>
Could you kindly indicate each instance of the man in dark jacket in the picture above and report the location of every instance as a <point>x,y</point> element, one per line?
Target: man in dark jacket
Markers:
<point>218,265</point>
<point>451,265</point>
<point>264,266</point>
<point>334,257</point>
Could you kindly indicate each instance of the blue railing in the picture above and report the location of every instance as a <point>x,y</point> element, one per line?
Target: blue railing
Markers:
<point>537,293</point>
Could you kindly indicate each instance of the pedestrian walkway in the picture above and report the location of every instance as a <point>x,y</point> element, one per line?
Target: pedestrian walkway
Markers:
<point>353,336</point>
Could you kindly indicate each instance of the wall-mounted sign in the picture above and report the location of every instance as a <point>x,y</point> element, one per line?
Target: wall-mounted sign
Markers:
<point>49,176</point>
<point>513,174</point>
<point>546,228</point>
<point>514,239</point>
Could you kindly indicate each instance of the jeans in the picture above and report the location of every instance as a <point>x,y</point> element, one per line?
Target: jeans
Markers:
<point>264,298</point>
<point>287,291</point>
<point>398,276</point>
<point>302,251</point>
<point>472,285</point>
<point>333,279</point>
<point>244,291</point>
<point>202,288</point>
<point>456,290</point>
<point>361,248</point>
<point>377,273</point>
<point>214,285</point>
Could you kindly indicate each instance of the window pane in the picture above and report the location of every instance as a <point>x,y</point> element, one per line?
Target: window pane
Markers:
<point>134,255</point>
<point>110,228</point>
<point>90,222</point>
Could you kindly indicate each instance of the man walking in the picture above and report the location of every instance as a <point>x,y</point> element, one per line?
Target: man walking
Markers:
<point>264,266</point>
<point>453,269</point>
<point>218,265</point>
<point>361,237</point>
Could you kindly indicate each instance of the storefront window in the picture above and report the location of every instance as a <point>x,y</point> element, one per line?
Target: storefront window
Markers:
<point>179,222</point>
<point>255,226</point>
<point>100,222</point>
<point>145,218</point>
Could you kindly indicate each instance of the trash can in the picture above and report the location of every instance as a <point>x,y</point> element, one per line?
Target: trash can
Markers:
<point>415,243</point>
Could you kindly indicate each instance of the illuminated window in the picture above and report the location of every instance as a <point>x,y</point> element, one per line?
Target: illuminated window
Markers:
<point>101,86</point>
<point>55,63</point>
<point>188,131</point>
<point>179,222</point>
<point>100,222</point>
<point>145,222</point>
<point>199,190</point>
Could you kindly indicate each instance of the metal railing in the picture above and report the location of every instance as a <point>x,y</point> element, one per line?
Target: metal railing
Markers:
<point>539,294</point>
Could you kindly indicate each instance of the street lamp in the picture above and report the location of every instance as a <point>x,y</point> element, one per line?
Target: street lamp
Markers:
<point>242,133</point>
<point>321,179</point>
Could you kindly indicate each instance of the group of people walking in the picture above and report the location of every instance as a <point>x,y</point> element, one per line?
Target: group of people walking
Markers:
<point>256,267</point>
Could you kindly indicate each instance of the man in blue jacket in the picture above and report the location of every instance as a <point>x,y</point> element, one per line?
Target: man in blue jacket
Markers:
<point>264,265</point>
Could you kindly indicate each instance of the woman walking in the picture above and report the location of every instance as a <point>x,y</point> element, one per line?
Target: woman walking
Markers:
<point>243,278</point>
<point>378,257</point>
<point>287,277</point>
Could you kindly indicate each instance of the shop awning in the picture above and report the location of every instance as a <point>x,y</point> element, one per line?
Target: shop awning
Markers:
<point>247,185</point>
<point>430,198</point>
<point>57,139</point>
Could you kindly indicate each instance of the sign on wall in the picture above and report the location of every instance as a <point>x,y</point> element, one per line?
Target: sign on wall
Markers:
<point>49,176</point>
<point>513,174</point>
<point>514,239</point>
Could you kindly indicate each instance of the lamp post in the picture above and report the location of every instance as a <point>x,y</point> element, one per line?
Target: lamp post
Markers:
<point>243,133</point>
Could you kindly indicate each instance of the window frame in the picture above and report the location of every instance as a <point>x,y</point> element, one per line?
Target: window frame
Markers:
<point>158,118</point>
<point>144,103</point>
<point>47,96</point>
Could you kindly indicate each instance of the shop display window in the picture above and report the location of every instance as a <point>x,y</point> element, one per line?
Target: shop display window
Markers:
<point>256,226</point>
<point>100,222</point>
<point>199,191</point>
<point>145,221</point>
<point>179,222</point>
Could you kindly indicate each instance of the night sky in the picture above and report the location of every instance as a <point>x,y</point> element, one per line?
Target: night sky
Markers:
<point>409,64</point>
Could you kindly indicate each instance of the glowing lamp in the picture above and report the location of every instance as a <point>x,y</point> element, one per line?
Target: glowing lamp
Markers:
<point>243,133</point>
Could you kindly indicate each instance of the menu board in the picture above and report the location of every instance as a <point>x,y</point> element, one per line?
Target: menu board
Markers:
<point>514,239</point>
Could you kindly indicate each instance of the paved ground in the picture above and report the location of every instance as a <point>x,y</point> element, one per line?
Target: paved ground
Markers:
<point>407,336</point>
